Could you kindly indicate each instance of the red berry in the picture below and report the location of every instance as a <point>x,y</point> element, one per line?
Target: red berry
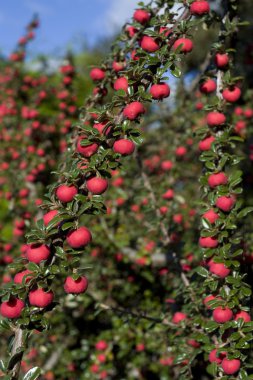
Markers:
<point>219,269</point>
<point>165,31</point>
<point>208,86</point>
<point>193,343</point>
<point>18,278</point>
<point>231,94</point>
<point>97,185</point>
<point>169,194</point>
<point>178,317</point>
<point>159,91</point>
<point>37,253</point>
<point>244,315</point>
<point>181,151</point>
<point>101,126</point>
<point>118,66</point>
<point>208,242</point>
<point>207,299</point>
<point>225,203</point>
<point>206,143</point>
<point>79,238</point>
<point>199,8</point>
<point>178,218</point>
<point>222,315</point>
<point>121,84</point>
<point>49,216</point>
<point>141,16</point>
<point>215,118</point>
<point>124,147</point>
<point>101,345</point>
<point>149,44</point>
<point>213,357</point>
<point>217,179</point>
<point>75,286</point>
<point>40,298</point>
<point>133,110</point>
<point>12,308</point>
<point>186,43</point>
<point>131,31</point>
<point>87,150</point>
<point>97,74</point>
<point>66,193</point>
<point>211,216</point>
<point>230,366</point>
<point>221,60</point>
<point>167,165</point>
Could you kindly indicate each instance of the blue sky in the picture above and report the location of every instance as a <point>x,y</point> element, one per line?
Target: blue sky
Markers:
<point>63,22</point>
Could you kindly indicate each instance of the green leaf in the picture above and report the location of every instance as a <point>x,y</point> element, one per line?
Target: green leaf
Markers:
<point>202,271</point>
<point>32,374</point>
<point>244,212</point>
<point>66,226</point>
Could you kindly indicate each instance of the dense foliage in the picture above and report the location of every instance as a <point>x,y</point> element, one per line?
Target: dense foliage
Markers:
<point>137,262</point>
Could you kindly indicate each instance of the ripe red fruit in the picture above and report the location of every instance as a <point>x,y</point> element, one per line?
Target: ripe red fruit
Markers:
<point>66,193</point>
<point>163,210</point>
<point>222,315</point>
<point>87,150</point>
<point>208,242</point>
<point>181,151</point>
<point>208,86</point>
<point>79,238</point>
<point>213,357</point>
<point>141,16</point>
<point>215,118</point>
<point>133,110</point>
<point>167,165</point>
<point>121,84</point>
<point>131,30</point>
<point>97,74</point>
<point>244,315</point>
<point>37,253</point>
<point>207,299</point>
<point>40,298</point>
<point>178,317</point>
<point>97,185</point>
<point>12,308</point>
<point>160,91</point>
<point>186,43</point>
<point>124,147</point>
<point>75,286</point>
<point>225,203</point>
<point>19,276</point>
<point>101,345</point>
<point>165,31</point>
<point>49,216</point>
<point>211,216</point>
<point>230,366</point>
<point>231,94</point>
<point>178,218</point>
<point>149,44</point>
<point>219,269</point>
<point>206,143</point>
<point>118,66</point>
<point>169,194</point>
<point>217,179</point>
<point>199,8</point>
<point>193,343</point>
<point>221,60</point>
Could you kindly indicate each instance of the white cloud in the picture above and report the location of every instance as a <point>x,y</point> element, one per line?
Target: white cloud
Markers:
<point>119,11</point>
